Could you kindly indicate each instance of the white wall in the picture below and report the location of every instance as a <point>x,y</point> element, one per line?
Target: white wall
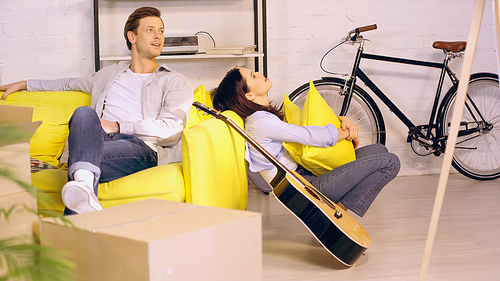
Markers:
<point>45,39</point>
<point>53,38</point>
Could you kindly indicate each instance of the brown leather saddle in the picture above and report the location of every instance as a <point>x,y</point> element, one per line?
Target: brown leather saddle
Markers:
<point>450,46</point>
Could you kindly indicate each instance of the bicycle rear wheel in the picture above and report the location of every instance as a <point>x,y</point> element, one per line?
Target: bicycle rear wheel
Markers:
<point>477,151</point>
<point>362,110</point>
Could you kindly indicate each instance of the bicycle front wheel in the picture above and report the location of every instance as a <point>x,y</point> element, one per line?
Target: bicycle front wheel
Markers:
<point>477,150</point>
<point>362,111</point>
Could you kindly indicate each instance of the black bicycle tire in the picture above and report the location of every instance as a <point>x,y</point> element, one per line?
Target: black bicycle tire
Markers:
<point>358,92</point>
<point>444,109</point>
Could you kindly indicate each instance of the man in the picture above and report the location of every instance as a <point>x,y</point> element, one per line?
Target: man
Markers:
<point>141,109</point>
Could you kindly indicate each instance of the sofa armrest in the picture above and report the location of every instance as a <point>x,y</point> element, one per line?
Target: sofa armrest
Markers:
<point>213,157</point>
<point>54,109</point>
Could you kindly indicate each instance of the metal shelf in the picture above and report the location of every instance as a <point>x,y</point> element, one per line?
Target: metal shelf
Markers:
<point>262,54</point>
<point>183,57</point>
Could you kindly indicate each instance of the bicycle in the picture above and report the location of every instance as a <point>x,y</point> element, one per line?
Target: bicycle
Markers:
<point>477,151</point>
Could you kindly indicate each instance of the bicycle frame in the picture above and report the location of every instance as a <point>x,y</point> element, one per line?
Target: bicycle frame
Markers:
<point>479,133</point>
<point>357,72</point>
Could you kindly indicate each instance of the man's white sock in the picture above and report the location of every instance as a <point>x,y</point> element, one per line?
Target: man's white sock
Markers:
<point>84,175</point>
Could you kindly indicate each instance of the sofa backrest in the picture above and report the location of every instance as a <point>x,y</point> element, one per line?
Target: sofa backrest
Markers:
<point>213,157</point>
<point>55,108</point>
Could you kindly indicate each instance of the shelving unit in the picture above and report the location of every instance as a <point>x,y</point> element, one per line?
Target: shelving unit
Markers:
<point>260,40</point>
<point>181,57</point>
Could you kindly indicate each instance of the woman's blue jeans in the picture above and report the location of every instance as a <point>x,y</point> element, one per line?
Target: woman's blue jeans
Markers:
<point>108,156</point>
<point>357,183</point>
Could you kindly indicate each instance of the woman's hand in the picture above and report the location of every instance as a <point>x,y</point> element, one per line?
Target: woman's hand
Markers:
<point>12,88</point>
<point>355,142</point>
<point>348,125</point>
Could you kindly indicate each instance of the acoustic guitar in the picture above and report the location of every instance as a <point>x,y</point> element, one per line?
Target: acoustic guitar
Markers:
<point>337,231</point>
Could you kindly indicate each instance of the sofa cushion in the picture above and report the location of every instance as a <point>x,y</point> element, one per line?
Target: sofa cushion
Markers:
<point>213,158</point>
<point>49,184</point>
<point>318,160</point>
<point>161,182</point>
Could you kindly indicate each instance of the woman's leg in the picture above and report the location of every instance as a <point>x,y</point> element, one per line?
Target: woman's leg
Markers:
<point>357,184</point>
<point>370,150</point>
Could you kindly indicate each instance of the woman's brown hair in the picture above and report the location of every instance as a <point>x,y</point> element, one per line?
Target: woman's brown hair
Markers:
<point>230,95</point>
<point>133,20</point>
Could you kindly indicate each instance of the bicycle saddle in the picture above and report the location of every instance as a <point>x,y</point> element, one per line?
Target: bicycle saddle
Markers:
<point>450,46</point>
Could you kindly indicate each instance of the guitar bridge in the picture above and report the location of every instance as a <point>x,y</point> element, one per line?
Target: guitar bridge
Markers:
<point>338,214</point>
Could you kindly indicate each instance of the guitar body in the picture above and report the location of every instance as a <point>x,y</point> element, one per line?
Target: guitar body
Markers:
<point>339,233</point>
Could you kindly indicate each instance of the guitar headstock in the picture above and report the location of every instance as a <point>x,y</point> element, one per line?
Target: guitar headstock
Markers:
<point>211,111</point>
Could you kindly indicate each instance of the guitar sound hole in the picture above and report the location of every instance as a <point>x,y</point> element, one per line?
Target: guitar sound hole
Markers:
<point>319,197</point>
<point>312,193</point>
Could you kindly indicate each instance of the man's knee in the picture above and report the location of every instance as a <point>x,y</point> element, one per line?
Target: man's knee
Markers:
<point>83,113</point>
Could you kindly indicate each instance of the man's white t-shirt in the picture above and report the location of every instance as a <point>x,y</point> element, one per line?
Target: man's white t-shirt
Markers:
<point>123,101</point>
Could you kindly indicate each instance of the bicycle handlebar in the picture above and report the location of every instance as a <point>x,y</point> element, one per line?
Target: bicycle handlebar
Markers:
<point>352,37</point>
<point>353,34</point>
<point>366,28</point>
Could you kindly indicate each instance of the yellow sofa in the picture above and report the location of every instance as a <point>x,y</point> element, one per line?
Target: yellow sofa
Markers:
<point>212,173</point>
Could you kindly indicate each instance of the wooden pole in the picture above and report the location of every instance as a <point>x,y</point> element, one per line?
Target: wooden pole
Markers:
<point>453,131</point>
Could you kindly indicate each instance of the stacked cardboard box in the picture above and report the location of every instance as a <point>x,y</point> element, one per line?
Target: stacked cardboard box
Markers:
<point>15,158</point>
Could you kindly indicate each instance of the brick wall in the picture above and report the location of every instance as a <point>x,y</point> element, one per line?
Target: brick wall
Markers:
<point>53,39</point>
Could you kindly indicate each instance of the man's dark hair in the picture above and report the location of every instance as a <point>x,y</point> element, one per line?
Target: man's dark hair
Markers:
<point>133,20</point>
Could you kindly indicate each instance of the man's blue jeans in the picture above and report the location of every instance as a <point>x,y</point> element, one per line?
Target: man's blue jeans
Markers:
<point>108,156</point>
<point>357,183</point>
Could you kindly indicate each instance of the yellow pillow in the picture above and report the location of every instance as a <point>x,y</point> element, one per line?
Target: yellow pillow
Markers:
<point>293,115</point>
<point>317,112</point>
<point>213,157</point>
<point>195,116</point>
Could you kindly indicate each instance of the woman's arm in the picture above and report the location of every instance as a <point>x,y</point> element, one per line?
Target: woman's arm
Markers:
<point>267,125</point>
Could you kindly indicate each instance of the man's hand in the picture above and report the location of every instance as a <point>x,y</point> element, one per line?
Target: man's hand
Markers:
<point>12,88</point>
<point>109,126</point>
<point>347,124</point>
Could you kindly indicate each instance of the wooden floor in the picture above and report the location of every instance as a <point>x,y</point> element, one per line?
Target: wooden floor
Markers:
<point>466,245</point>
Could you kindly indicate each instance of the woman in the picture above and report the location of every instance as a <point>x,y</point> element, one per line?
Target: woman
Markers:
<point>352,186</point>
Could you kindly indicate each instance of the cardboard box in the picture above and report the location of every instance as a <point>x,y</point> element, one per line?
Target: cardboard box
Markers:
<point>15,157</point>
<point>161,240</point>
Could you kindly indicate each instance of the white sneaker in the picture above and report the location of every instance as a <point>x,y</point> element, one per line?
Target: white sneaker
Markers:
<point>79,197</point>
